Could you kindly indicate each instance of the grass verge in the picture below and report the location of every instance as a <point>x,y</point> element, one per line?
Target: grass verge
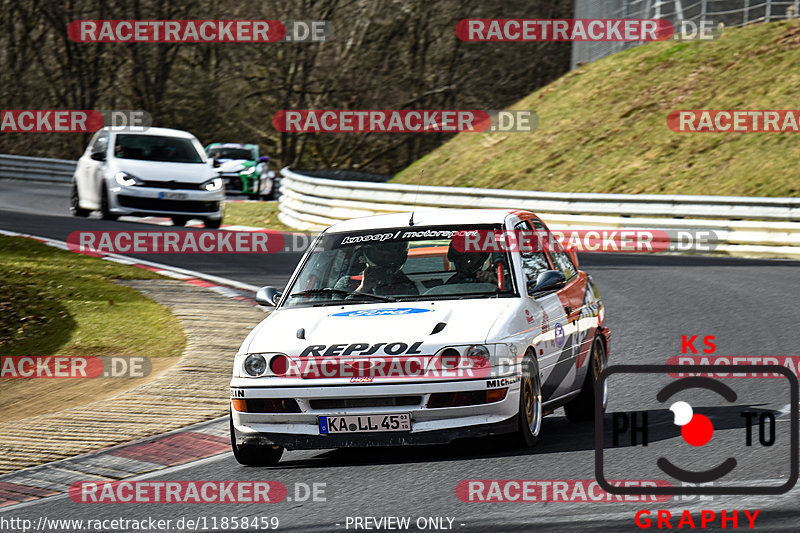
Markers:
<point>255,214</point>
<point>54,302</point>
<point>603,126</point>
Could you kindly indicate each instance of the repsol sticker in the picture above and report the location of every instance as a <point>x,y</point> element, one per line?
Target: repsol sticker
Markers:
<point>382,312</point>
<point>362,348</point>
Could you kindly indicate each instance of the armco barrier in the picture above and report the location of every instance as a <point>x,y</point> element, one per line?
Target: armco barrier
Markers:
<point>743,225</point>
<point>36,168</point>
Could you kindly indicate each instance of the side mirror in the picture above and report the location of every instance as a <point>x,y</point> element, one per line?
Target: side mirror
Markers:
<point>268,296</point>
<point>573,254</point>
<point>549,280</point>
<point>215,163</point>
<point>98,156</point>
<point>263,159</point>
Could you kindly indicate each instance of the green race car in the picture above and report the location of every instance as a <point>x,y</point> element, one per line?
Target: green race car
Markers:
<point>242,170</point>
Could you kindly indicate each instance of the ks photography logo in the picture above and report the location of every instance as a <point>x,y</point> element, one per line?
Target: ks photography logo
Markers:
<point>699,431</point>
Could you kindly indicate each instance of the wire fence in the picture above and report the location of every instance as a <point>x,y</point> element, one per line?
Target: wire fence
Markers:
<point>730,13</point>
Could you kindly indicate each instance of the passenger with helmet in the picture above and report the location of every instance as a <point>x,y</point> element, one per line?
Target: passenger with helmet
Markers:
<point>383,274</point>
<point>469,267</point>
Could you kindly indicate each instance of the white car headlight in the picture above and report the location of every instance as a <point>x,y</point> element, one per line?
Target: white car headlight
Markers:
<point>214,184</point>
<point>255,365</point>
<point>477,350</point>
<point>127,180</point>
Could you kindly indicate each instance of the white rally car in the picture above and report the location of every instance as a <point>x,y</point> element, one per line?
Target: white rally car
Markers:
<point>420,329</point>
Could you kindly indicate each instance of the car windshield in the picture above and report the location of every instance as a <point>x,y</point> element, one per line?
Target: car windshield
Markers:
<point>399,264</point>
<point>156,148</point>
<point>231,153</point>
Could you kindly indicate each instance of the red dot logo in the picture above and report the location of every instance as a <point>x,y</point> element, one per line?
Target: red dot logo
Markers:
<point>698,431</point>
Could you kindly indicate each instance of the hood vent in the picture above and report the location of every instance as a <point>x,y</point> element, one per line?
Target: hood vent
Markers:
<point>438,327</point>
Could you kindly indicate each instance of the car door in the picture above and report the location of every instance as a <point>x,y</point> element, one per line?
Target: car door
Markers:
<point>547,312</point>
<point>574,339</point>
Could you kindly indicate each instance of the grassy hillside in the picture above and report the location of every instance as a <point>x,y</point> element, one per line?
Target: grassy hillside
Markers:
<point>603,126</point>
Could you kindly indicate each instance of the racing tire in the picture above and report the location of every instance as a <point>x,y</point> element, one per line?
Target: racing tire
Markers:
<point>75,208</point>
<point>105,211</point>
<point>582,407</point>
<point>530,403</point>
<point>179,221</point>
<point>254,455</point>
<point>211,223</point>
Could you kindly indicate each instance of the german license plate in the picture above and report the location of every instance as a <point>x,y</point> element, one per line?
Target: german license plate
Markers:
<point>329,425</point>
<point>172,195</point>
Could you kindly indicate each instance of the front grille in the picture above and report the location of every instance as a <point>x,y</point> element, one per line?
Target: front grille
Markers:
<point>272,405</point>
<point>154,204</point>
<point>173,185</point>
<point>232,182</point>
<point>386,401</point>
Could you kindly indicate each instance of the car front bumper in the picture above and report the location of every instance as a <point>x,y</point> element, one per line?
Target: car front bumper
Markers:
<point>435,425</point>
<point>147,201</point>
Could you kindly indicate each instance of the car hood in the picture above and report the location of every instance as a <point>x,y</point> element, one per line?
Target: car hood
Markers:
<point>234,165</point>
<point>466,322</point>
<point>161,171</point>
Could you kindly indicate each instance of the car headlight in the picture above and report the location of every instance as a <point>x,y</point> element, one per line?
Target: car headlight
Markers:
<point>214,184</point>
<point>248,172</point>
<point>255,365</point>
<point>127,180</point>
<point>477,350</point>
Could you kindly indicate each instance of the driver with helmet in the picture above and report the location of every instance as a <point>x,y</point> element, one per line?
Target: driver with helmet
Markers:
<point>382,275</point>
<point>468,267</point>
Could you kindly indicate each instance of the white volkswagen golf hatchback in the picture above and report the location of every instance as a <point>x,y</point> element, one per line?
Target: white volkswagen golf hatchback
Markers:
<point>155,172</point>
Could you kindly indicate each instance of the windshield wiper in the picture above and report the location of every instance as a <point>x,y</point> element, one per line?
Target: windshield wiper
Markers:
<point>328,290</point>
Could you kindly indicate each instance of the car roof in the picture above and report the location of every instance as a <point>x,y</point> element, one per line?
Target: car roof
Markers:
<point>429,217</point>
<point>167,132</point>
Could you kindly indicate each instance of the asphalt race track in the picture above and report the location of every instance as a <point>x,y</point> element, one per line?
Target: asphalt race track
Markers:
<point>749,306</point>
